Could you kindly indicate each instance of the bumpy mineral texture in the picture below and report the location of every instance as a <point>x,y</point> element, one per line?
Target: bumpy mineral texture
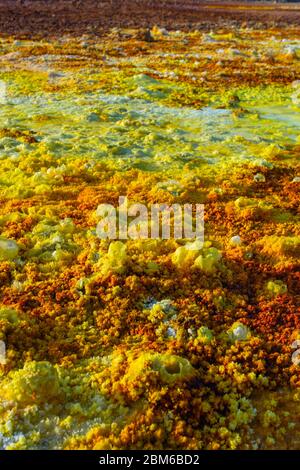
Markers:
<point>144,344</point>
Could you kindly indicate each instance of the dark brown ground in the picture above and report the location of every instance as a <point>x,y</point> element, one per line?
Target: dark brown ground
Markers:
<point>52,17</point>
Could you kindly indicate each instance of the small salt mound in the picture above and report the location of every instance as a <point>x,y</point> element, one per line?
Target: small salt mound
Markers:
<point>236,240</point>
<point>8,249</point>
<point>259,178</point>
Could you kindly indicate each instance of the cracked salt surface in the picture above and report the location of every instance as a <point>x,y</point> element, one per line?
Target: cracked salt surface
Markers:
<point>135,132</point>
